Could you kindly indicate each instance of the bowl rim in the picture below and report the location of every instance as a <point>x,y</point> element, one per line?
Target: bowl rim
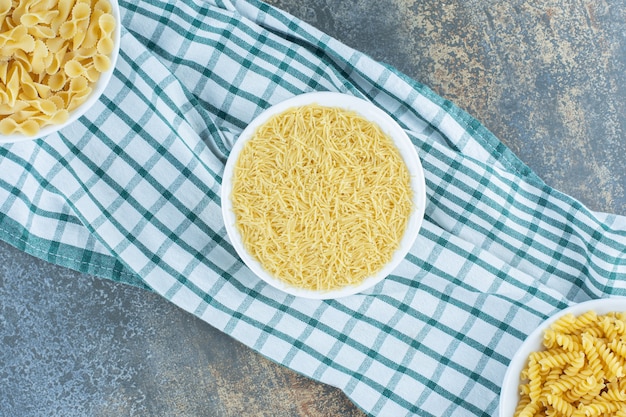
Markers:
<point>389,126</point>
<point>98,89</point>
<point>509,391</point>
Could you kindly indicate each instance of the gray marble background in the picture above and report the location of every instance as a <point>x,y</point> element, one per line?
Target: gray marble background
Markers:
<point>546,76</point>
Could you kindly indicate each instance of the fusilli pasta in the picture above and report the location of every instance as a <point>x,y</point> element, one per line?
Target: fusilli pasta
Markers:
<point>581,370</point>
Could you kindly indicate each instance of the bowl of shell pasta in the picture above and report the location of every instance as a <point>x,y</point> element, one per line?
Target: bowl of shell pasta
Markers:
<point>573,364</point>
<point>56,59</point>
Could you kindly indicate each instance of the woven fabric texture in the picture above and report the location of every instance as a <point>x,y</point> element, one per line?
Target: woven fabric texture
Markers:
<point>130,192</point>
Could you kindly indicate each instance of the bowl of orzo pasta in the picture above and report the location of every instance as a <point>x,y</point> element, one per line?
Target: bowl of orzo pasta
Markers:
<point>323,195</point>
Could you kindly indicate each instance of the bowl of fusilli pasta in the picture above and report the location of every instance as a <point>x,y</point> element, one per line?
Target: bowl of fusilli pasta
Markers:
<point>56,59</point>
<point>573,364</point>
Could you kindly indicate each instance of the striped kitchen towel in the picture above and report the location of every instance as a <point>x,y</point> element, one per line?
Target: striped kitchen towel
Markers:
<point>130,192</point>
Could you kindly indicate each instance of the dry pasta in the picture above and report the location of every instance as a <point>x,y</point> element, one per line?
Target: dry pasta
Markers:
<point>321,197</point>
<point>581,370</point>
<point>51,54</point>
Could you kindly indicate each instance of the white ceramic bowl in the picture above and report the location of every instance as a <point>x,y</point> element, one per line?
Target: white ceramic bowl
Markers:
<point>389,126</point>
<point>509,394</point>
<point>98,89</point>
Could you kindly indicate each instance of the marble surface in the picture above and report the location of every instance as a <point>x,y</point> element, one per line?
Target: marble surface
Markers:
<point>547,77</point>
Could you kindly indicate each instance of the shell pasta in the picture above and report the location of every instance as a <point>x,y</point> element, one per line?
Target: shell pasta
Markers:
<point>51,54</point>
